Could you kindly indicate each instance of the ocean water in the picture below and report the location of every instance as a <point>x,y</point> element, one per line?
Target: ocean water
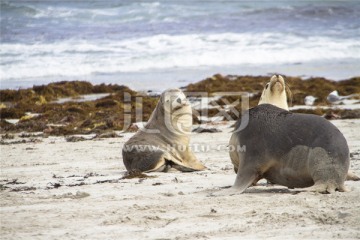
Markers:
<point>169,43</point>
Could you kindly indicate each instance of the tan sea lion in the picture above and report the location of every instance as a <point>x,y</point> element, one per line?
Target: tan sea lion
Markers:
<point>275,93</point>
<point>289,149</point>
<point>164,142</point>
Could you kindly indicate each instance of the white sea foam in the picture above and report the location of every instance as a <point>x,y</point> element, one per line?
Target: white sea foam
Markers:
<point>76,57</point>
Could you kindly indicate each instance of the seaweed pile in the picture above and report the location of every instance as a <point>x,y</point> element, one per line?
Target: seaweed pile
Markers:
<point>299,88</point>
<point>319,87</point>
<point>37,109</point>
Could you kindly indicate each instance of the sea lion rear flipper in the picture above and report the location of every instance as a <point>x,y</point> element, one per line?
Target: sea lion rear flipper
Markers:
<point>325,188</point>
<point>187,162</point>
<point>188,166</point>
<point>352,177</point>
<point>194,162</point>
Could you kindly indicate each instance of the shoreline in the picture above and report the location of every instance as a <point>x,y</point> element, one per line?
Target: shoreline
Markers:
<point>162,79</point>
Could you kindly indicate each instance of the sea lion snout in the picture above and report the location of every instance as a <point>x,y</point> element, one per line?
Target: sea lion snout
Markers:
<point>277,83</point>
<point>182,101</point>
<point>277,78</point>
<point>179,103</point>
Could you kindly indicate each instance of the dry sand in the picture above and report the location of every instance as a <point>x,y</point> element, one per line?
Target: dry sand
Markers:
<point>71,190</point>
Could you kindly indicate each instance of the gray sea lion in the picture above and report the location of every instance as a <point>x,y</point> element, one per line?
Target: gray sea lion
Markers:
<point>164,142</point>
<point>289,149</point>
<point>275,93</point>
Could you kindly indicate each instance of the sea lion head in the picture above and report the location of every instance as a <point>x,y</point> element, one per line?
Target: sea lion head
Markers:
<point>277,84</point>
<point>275,92</point>
<point>174,100</point>
<point>177,111</point>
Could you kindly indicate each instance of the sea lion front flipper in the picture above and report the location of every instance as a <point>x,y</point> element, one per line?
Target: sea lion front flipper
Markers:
<point>245,177</point>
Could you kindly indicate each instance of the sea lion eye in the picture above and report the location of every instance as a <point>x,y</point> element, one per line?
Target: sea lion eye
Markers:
<point>267,85</point>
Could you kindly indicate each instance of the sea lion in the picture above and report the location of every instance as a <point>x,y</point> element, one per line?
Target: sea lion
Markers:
<point>275,92</point>
<point>163,144</point>
<point>289,149</point>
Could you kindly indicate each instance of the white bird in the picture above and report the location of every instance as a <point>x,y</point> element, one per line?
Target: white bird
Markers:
<point>309,100</point>
<point>334,97</point>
